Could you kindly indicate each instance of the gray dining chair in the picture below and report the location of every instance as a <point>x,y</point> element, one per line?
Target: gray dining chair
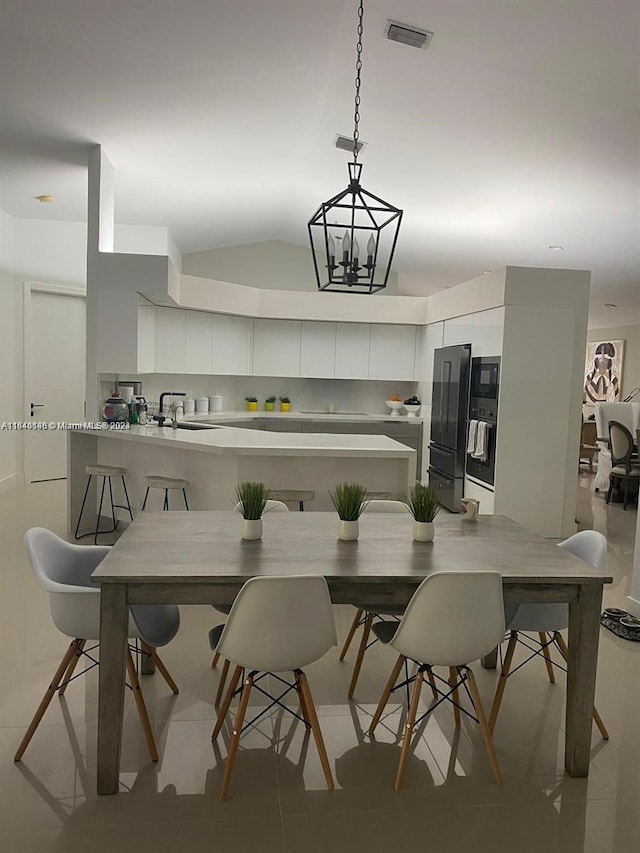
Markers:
<point>64,572</point>
<point>622,468</point>
<point>547,621</point>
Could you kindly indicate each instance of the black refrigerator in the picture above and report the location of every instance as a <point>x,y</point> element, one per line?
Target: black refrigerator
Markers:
<point>450,400</point>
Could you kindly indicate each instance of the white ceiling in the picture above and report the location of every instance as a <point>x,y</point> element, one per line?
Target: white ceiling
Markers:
<point>516,130</point>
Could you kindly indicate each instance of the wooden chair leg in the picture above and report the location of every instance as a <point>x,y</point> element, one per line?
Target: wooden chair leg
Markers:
<point>224,710</point>
<point>564,651</point>
<point>382,704</point>
<point>547,656</point>
<point>215,660</point>
<point>301,698</point>
<point>408,730</point>
<point>73,663</point>
<point>352,630</point>
<point>453,679</point>
<point>502,683</point>
<point>315,728</point>
<point>46,699</point>
<point>432,682</point>
<point>360,656</point>
<point>235,737</point>
<point>159,665</point>
<point>142,708</point>
<point>223,678</point>
<point>484,728</point>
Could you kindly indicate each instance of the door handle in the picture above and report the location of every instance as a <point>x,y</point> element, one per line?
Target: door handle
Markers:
<point>35,406</point>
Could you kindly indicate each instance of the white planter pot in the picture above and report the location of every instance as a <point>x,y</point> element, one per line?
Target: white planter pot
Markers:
<point>252,528</point>
<point>348,530</point>
<point>423,531</point>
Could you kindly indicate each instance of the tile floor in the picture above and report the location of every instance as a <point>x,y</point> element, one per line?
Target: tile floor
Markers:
<point>277,798</point>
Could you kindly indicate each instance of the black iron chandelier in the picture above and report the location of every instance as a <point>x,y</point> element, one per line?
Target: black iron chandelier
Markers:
<point>354,234</point>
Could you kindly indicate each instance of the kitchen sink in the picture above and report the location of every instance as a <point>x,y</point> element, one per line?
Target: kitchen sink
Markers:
<point>197,426</point>
<point>325,412</point>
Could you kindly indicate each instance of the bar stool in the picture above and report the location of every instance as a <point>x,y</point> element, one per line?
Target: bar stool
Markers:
<point>106,472</point>
<point>166,483</point>
<point>298,496</point>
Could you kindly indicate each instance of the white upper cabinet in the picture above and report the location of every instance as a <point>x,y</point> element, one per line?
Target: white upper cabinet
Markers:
<point>146,338</point>
<point>232,338</point>
<point>392,353</point>
<point>352,350</point>
<point>170,340</point>
<point>458,330</point>
<point>318,350</point>
<point>276,348</point>
<point>488,331</point>
<point>199,333</point>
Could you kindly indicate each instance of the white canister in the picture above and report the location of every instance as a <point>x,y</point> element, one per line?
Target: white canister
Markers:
<point>126,392</point>
<point>202,404</point>
<point>189,405</point>
<point>216,403</point>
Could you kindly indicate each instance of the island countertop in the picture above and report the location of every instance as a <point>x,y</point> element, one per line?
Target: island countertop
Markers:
<point>238,441</point>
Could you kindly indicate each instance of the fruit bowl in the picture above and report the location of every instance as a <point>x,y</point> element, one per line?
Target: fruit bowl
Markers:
<point>395,406</point>
<point>412,410</point>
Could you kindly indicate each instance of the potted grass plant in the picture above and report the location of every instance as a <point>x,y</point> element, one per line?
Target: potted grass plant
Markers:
<point>251,499</point>
<point>349,502</point>
<point>423,504</point>
<point>269,403</point>
<point>252,403</point>
<point>285,404</point>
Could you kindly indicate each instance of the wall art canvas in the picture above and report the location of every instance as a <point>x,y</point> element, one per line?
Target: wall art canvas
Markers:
<point>603,372</point>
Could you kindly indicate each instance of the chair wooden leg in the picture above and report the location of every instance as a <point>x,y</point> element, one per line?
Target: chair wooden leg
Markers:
<point>408,730</point>
<point>352,630</point>
<point>502,683</point>
<point>215,660</point>
<point>484,728</point>
<point>235,737</point>
<point>382,704</point>
<point>360,656</point>
<point>159,665</point>
<point>315,728</point>
<point>547,657</point>
<point>224,710</point>
<point>432,682</point>
<point>453,679</point>
<point>46,699</point>
<point>301,698</point>
<point>564,651</point>
<point>223,678</point>
<point>142,708</point>
<point>73,663</point>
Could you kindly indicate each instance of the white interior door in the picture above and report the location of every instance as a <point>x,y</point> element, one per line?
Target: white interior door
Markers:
<point>55,331</point>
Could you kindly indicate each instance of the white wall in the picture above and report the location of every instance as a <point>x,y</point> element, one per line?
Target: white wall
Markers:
<point>273,264</point>
<point>8,351</point>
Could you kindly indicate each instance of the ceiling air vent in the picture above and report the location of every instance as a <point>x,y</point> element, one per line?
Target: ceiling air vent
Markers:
<point>345,143</point>
<point>406,34</point>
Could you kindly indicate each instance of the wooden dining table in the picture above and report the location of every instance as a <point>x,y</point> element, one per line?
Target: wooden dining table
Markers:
<point>200,557</point>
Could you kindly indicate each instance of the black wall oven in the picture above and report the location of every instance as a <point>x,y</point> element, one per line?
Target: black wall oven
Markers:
<point>482,424</point>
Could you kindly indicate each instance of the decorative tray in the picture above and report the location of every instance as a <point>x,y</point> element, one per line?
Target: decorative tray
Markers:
<point>621,623</point>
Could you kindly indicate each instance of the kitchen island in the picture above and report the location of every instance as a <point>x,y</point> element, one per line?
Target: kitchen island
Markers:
<point>216,459</point>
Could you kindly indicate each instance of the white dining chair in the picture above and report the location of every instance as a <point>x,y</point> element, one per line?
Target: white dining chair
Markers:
<point>428,636</point>
<point>366,613</point>
<point>64,572</point>
<point>276,625</point>
<point>547,621</point>
<point>225,609</point>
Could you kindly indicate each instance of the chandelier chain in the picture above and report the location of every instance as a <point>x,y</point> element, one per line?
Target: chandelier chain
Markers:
<point>356,111</point>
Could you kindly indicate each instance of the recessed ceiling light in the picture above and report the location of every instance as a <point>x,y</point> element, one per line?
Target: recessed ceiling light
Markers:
<point>44,199</point>
<point>556,248</point>
<point>610,305</point>
<point>486,272</point>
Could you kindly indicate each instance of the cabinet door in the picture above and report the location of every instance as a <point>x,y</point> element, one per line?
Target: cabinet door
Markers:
<point>318,350</point>
<point>352,350</point>
<point>392,352</point>
<point>199,333</point>
<point>488,331</point>
<point>170,340</point>
<point>458,330</point>
<point>232,345</point>
<point>146,338</point>
<point>276,348</point>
